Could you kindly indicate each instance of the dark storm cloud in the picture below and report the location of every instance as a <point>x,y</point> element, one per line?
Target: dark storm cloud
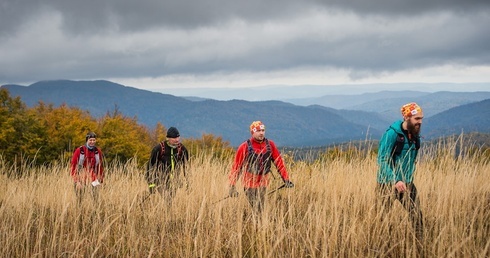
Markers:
<point>122,38</point>
<point>138,15</point>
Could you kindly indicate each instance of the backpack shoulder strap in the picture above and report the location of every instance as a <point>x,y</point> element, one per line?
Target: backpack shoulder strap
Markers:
<point>268,145</point>
<point>81,158</point>
<point>179,150</point>
<point>250,149</point>
<point>162,150</point>
<point>399,143</point>
<point>417,143</point>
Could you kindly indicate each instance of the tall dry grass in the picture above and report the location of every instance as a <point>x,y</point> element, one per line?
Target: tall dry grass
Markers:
<point>329,213</point>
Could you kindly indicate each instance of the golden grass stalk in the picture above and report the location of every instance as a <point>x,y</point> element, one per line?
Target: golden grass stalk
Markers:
<point>329,213</point>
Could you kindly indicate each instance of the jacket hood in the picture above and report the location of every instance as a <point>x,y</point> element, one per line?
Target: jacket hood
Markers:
<point>397,126</point>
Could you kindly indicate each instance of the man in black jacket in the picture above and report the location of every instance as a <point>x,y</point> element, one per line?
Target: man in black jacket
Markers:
<point>167,166</point>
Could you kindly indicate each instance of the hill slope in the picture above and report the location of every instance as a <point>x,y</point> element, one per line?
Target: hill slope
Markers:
<point>287,124</point>
<point>474,117</point>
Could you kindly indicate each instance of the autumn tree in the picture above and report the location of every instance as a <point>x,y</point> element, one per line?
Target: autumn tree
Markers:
<point>21,134</point>
<point>122,138</point>
<point>210,145</point>
<point>159,133</point>
<point>45,133</point>
<point>65,127</point>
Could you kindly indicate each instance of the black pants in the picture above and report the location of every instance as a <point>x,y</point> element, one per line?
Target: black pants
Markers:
<point>168,184</point>
<point>256,198</point>
<point>386,194</point>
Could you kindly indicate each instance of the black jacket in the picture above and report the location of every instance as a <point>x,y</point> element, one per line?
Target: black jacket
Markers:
<point>166,162</point>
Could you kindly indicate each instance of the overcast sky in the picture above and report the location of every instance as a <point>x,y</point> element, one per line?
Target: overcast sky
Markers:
<point>158,44</point>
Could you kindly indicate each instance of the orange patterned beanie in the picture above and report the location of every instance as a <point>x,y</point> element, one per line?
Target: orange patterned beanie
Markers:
<point>410,109</point>
<point>256,126</point>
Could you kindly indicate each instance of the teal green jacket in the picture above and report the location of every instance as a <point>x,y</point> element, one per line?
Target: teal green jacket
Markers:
<point>393,168</point>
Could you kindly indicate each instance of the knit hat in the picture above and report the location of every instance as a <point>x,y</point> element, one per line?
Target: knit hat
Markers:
<point>90,135</point>
<point>256,126</point>
<point>410,109</point>
<point>172,132</point>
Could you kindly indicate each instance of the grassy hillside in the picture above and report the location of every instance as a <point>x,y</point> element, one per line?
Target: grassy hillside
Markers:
<point>328,214</point>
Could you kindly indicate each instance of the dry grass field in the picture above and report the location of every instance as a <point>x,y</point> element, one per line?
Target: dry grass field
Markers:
<point>329,213</point>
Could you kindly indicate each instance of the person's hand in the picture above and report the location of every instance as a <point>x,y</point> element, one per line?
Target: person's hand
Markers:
<point>400,186</point>
<point>151,188</point>
<point>233,191</point>
<point>288,184</point>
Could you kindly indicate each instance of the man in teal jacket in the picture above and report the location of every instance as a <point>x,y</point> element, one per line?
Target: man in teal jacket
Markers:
<point>397,153</point>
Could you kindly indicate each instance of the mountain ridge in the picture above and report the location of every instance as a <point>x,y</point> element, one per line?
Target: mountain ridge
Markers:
<point>288,124</point>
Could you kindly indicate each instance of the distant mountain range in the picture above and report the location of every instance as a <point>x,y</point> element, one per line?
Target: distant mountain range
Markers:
<point>293,93</point>
<point>301,123</point>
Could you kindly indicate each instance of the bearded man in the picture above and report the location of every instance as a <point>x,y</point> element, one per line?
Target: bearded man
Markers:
<point>397,153</point>
<point>254,157</point>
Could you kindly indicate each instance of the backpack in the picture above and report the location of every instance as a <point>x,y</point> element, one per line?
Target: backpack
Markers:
<point>81,159</point>
<point>399,143</point>
<point>259,164</point>
<point>162,150</point>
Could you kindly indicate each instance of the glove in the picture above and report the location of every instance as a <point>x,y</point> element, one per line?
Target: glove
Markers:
<point>151,187</point>
<point>233,191</point>
<point>288,184</point>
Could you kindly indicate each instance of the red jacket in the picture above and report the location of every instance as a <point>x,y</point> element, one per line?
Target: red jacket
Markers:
<point>251,180</point>
<point>91,166</point>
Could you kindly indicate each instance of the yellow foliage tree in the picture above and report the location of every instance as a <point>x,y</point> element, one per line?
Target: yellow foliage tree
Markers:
<point>122,138</point>
<point>210,145</point>
<point>66,128</point>
<point>159,133</point>
<point>21,134</point>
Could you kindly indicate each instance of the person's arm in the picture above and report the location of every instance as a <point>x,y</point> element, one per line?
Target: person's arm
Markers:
<point>385,158</point>
<point>236,169</point>
<point>74,165</point>
<point>279,161</point>
<point>237,164</point>
<point>152,165</point>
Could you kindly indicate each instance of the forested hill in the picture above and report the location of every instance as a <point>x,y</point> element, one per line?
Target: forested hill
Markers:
<point>287,124</point>
<point>474,117</point>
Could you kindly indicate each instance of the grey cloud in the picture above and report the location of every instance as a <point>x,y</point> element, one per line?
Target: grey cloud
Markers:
<point>128,15</point>
<point>407,8</point>
<point>123,38</point>
<point>93,15</point>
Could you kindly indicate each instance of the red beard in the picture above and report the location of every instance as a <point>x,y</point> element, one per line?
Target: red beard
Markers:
<point>413,129</point>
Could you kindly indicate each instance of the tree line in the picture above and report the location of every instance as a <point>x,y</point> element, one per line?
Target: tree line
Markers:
<point>46,133</point>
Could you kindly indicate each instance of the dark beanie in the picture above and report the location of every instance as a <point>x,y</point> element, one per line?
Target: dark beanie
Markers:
<point>173,132</point>
<point>90,135</point>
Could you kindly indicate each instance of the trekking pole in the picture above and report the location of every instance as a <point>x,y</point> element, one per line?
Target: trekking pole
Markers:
<point>147,195</point>
<point>220,200</point>
<point>279,188</point>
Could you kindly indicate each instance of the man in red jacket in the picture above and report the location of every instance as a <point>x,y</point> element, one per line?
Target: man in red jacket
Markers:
<point>86,167</point>
<point>254,158</point>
